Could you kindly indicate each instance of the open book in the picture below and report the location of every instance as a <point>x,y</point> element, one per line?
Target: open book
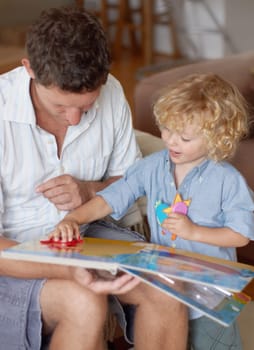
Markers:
<point>213,288</point>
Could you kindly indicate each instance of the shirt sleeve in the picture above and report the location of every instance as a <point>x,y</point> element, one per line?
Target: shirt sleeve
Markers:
<point>121,194</point>
<point>238,205</point>
<point>126,150</point>
<point>1,191</point>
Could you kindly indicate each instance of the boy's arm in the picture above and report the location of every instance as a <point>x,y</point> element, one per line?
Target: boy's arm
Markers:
<point>183,227</point>
<point>67,229</point>
<point>221,236</point>
<point>95,209</point>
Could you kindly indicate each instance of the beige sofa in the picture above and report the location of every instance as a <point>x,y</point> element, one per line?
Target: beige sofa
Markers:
<point>239,69</point>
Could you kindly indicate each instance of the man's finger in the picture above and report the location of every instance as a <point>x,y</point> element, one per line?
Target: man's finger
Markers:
<point>51,183</point>
<point>120,285</point>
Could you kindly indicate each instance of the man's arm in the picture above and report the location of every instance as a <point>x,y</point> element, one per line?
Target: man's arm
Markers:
<point>23,269</point>
<point>68,193</point>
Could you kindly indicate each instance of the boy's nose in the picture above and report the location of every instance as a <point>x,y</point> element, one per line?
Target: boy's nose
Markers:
<point>172,140</point>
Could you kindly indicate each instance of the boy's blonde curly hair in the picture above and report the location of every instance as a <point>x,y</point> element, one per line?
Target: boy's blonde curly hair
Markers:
<point>215,104</point>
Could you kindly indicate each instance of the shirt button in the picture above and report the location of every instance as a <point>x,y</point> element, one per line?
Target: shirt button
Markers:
<point>62,169</point>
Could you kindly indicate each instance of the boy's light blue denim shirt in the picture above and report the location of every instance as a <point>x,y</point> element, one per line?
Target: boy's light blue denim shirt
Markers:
<point>219,197</point>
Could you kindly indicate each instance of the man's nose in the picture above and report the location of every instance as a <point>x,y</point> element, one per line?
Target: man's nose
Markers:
<point>74,115</point>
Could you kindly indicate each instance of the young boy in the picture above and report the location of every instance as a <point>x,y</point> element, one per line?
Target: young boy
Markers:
<point>202,118</point>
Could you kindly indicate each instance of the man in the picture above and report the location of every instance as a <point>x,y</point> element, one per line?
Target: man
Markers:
<point>65,134</point>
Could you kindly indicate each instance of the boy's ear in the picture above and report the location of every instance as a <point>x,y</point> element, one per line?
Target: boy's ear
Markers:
<point>26,64</point>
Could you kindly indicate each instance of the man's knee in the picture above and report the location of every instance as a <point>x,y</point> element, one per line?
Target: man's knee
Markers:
<point>86,304</point>
<point>144,295</point>
<point>66,300</point>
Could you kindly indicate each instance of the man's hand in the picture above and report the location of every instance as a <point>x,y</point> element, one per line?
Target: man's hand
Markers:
<point>101,285</point>
<point>68,193</point>
<point>65,192</point>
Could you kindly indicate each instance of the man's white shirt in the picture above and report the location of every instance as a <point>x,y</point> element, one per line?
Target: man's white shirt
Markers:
<point>101,146</point>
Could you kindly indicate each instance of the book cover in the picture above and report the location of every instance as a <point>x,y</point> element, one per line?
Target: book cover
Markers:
<point>220,305</point>
<point>210,287</point>
<point>96,253</point>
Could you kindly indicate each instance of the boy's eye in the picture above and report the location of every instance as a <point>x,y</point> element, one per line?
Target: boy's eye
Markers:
<point>185,139</point>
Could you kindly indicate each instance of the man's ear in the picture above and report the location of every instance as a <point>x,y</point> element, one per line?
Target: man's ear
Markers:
<point>26,64</point>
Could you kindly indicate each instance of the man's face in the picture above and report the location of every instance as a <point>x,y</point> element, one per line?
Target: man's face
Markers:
<point>66,108</point>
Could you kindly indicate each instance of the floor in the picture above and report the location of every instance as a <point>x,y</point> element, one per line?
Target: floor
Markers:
<point>124,69</point>
<point>127,67</point>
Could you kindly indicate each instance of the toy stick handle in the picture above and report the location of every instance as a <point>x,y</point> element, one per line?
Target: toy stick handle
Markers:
<point>180,208</point>
<point>173,237</point>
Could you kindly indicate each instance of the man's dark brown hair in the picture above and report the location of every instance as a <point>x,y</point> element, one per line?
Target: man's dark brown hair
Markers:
<point>67,47</point>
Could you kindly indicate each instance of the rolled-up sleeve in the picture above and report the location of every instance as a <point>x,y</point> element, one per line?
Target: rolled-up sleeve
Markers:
<point>123,193</point>
<point>238,207</point>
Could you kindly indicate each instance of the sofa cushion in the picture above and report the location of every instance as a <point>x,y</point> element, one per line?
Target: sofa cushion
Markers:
<point>243,161</point>
<point>235,68</point>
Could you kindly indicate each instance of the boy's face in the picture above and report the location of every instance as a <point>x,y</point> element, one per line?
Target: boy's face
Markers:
<point>186,147</point>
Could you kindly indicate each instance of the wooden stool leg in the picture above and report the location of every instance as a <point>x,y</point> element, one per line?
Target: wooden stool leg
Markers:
<point>80,3</point>
<point>150,18</point>
<point>104,14</point>
<point>125,21</point>
<point>174,39</point>
<point>119,28</point>
<point>147,32</point>
<point>131,26</point>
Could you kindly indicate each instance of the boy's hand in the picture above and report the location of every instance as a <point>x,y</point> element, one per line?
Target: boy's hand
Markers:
<point>180,225</point>
<point>66,230</point>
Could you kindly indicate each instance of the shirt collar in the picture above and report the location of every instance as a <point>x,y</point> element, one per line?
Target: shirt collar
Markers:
<point>198,169</point>
<point>19,107</point>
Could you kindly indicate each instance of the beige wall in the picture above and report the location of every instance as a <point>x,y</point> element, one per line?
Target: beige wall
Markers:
<point>16,12</point>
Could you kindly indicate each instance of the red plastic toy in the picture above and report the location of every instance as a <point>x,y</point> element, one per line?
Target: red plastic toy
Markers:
<point>61,243</point>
